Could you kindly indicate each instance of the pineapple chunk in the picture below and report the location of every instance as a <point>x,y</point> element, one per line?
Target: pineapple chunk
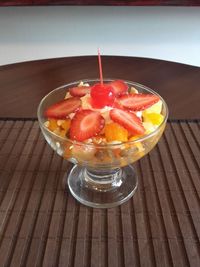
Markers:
<point>154,118</point>
<point>156,108</point>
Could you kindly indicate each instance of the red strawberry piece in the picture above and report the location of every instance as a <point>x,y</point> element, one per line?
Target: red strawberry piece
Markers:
<point>119,87</point>
<point>137,102</point>
<point>79,91</point>
<point>61,109</point>
<point>116,104</point>
<point>86,124</point>
<point>128,120</point>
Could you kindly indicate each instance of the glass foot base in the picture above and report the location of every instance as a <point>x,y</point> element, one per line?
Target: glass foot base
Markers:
<point>102,189</point>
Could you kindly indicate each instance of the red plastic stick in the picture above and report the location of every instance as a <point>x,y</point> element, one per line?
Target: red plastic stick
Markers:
<point>100,67</point>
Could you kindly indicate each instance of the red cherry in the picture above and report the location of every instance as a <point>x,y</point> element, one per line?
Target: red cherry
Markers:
<point>102,95</point>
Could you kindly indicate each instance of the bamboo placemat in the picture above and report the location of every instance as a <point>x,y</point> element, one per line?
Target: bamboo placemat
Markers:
<point>41,224</point>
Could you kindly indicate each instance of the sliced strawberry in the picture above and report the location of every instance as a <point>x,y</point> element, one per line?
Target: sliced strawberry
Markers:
<point>86,124</point>
<point>116,104</point>
<point>62,108</point>
<point>128,120</point>
<point>119,87</point>
<point>79,91</point>
<point>138,101</point>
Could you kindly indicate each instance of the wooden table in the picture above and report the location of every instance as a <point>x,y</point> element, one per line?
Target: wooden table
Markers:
<point>42,225</point>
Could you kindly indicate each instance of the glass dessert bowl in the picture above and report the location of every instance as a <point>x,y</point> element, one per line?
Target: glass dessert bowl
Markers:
<point>103,175</point>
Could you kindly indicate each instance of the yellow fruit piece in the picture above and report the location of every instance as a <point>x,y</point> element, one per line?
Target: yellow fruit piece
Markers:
<point>154,118</point>
<point>115,132</point>
<point>137,144</point>
<point>53,125</point>
<point>155,108</point>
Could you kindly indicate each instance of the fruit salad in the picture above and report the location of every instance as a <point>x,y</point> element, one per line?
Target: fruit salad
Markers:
<point>104,123</point>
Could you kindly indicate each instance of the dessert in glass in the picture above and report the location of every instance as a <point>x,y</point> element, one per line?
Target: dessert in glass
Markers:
<point>102,127</point>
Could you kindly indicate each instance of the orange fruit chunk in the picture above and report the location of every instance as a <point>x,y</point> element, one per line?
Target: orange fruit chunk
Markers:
<point>115,132</point>
<point>60,127</point>
<point>65,125</point>
<point>62,133</point>
<point>53,125</point>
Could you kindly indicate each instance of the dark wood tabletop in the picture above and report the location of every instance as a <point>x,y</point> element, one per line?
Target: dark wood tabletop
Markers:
<point>100,2</point>
<point>22,85</point>
<point>41,224</point>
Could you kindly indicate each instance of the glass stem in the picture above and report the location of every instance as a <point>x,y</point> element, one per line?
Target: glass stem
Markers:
<point>103,180</point>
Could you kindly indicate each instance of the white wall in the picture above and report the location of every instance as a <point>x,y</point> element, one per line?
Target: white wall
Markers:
<point>171,33</point>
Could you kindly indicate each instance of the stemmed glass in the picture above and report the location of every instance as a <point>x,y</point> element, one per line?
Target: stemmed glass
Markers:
<point>103,175</point>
